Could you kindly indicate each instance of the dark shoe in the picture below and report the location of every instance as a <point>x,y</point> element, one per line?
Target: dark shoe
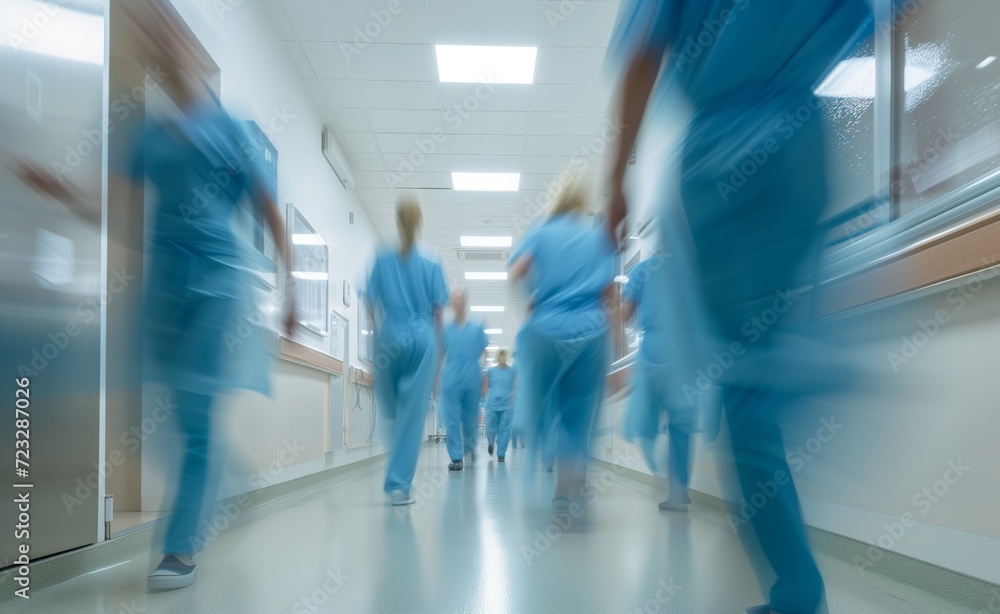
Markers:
<point>455,466</point>
<point>171,573</point>
<point>669,506</point>
<point>490,449</point>
<point>500,459</point>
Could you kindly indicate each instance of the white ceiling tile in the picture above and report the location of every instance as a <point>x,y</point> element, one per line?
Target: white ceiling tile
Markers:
<point>486,197</point>
<point>400,94</point>
<point>359,141</point>
<point>574,65</point>
<point>368,162</point>
<point>577,98</point>
<point>375,179</point>
<point>326,60</point>
<point>486,163</point>
<point>563,124</point>
<point>485,144</point>
<point>545,164</point>
<point>310,20</point>
<point>362,22</point>
<point>379,62</point>
<point>398,121</point>
<point>436,196</point>
<point>491,210</point>
<point>380,195</point>
<point>340,93</point>
<point>557,145</point>
<point>479,22</point>
<point>315,92</point>
<point>412,146</point>
<point>489,122</point>
<point>298,59</point>
<point>279,22</point>
<point>579,24</point>
<point>329,121</point>
<point>405,164</point>
<point>425,180</point>
<point>351,120</point>
<point>467,98</point>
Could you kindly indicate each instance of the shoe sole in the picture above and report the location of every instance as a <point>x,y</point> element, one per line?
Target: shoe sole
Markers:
<point>169,583</point>
<point>404,502</point>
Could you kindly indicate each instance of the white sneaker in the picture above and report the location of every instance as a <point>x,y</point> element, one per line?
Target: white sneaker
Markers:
<point>399,497</point>
<point>171,573</point>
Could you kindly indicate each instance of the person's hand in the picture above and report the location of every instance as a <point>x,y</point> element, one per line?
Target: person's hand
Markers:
<point>42,180</point>
<point>617,212</point>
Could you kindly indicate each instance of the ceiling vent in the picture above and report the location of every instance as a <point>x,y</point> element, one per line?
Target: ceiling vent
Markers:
<point>479,255</point>
<point>338,161</point>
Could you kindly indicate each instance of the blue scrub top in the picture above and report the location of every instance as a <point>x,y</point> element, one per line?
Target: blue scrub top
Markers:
<point>409,288</point>
<point>572,265</point>
<point>463,346</point>
<point>740,53</point>
<point>501,385</point>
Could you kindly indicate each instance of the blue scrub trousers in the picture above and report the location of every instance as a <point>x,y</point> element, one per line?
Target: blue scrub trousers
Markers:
<point>498,421</point>
<point>185,535</point>
<point>748,245</point>
<point>460,407</point>
<point>565,385</point>
<point>405,362</point>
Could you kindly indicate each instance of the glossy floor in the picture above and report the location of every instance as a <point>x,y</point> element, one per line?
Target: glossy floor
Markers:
<point>477,541</point>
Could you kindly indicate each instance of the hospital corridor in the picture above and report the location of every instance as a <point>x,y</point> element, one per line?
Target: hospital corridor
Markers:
<point>499,306</point>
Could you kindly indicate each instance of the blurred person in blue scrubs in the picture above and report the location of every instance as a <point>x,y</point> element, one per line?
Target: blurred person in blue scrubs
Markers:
<point>753,185</point>
<point>199,284</point>
<point>461,381</point>
<point>655,392</point>
<point>568,268</point>
<point>500,387</point>
<point>406,295</point>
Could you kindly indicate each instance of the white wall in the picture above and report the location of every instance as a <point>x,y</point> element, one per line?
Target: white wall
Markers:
<point>259,82</point>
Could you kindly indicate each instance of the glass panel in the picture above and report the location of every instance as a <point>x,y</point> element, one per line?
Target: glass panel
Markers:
<point>950,120</point>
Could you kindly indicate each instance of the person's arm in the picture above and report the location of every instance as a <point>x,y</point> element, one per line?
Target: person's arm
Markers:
<point>439,326</point>
<point>633,94</point>
<point>520,268</point>
<point>263,199</point>
<point>486,384</point>
<point>44,181</point>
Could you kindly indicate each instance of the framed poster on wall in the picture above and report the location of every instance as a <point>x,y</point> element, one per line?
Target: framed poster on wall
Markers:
<point>366,333</point>
<point>309,273</point>
<point>263,155</point>
<point>338,336</point>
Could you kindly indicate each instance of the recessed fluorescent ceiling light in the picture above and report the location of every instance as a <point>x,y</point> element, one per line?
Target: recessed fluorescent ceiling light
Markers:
<point>482,64</point>
<point>310,276</point>
<point>987,62</point>
<point>494,331</point>
<point>485,182</point>
<point>855,78</point>
<point>487,241</point>
<point>485,276</point>
<point>486,308</point>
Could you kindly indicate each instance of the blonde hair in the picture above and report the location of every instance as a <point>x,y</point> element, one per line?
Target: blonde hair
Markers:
<point>502,355</point>
<point>409,217</point>
<point>572,198</point>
